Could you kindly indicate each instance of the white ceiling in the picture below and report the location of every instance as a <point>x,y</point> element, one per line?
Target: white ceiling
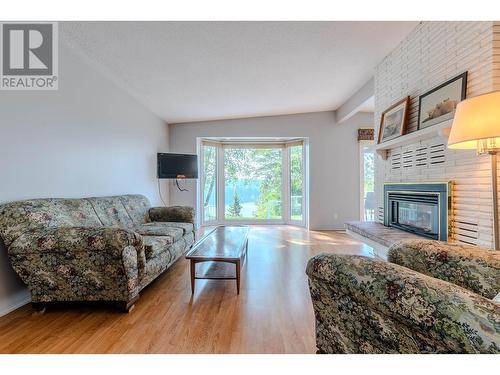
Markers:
<point>196,71</point>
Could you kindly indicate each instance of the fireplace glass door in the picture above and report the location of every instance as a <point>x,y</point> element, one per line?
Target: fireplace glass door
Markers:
<point>417,217</point>
<point>420,208</point>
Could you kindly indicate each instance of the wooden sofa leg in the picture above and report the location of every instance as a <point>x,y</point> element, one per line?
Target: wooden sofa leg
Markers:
<point>39,307</point>
<point>127,306</point>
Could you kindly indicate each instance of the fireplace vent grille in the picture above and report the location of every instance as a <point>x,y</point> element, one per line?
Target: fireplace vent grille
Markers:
<point>465,232</point>
<point>419,156</point>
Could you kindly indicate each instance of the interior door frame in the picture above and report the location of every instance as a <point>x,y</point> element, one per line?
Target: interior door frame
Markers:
<point>362,146</point>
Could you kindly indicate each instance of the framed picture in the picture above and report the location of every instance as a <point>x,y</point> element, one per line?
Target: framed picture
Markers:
<point>393,121</point>
<point>438,104</point>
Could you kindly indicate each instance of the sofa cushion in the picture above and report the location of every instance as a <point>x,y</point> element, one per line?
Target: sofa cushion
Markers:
<point>111,212</point>
<point>156,245</point>
<point>137,207</point>
<point>158,229</point>
<point>180,247</point>
<point>179,214</point>
<point>186,227</point>
<point>158,262</point>
<point>20,217</point>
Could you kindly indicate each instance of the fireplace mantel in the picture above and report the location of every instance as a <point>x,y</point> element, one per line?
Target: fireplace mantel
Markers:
<point>442,130</point>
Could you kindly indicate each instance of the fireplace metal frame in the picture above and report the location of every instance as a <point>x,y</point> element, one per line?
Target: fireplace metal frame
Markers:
<point>441,189</point>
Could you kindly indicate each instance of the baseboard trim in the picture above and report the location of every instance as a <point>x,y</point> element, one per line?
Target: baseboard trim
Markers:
<point>13,303</point>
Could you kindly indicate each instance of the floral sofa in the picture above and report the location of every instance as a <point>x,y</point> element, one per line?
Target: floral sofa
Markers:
<point>431,297</point>
<point>93,249</point>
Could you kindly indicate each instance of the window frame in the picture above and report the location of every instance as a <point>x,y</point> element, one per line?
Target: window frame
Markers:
<point>221,145</point>
<point>289,179</point>
<point>362,145</point>
<point>201,186</point>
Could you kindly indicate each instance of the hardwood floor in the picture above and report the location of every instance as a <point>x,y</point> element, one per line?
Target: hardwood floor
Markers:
<point>272,314</point>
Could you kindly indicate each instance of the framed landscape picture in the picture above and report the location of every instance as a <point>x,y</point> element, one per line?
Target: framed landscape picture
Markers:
<point>438,104</point>
<point>393,121</point>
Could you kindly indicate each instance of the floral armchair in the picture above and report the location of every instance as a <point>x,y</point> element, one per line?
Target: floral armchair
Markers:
<point>431,297</point>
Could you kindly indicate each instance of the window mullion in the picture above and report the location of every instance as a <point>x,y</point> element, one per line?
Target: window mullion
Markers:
<point>201,197</point>
<point>220,186</point>
<point>285,183</point>
<point>305,203</point>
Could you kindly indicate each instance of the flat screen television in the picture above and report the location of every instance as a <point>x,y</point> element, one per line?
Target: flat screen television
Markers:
<point>177,166</point>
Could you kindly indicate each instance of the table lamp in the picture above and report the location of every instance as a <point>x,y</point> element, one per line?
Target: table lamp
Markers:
<point>476,125</point>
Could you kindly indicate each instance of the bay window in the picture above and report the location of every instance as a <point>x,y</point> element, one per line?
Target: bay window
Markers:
<point>252,182</point>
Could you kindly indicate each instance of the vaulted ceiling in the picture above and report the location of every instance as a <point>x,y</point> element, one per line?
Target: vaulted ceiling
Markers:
<point>196,71</point>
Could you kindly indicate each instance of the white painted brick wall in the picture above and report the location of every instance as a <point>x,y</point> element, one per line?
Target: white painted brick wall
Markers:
<point>433,53</point>
<point>496,55</point>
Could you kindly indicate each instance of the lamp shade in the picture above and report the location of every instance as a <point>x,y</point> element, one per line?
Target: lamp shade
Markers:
<point>476,124</point>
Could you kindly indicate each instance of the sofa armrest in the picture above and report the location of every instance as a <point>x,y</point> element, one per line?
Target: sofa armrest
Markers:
<point>181,214</point>
<point>470,267</point>
<point>367,306</point>
<point>79,263</point>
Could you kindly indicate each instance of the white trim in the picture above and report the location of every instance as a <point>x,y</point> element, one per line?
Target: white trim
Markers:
<point>306,183</point>
<point>201,183</point>
<point>286,198</point>
<point>200,215</point>
<point>252,145</point>
<point>362,145</point>
<point>253,140</point>
<point>15,301</point>
<point>303,222</point>
<point>220,181</point>
<point>361,182</point>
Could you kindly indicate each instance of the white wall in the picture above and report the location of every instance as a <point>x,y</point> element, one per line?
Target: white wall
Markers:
<point>333,158</point>
<point>89,138</point>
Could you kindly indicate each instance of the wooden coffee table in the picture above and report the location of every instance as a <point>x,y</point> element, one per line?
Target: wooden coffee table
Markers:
<point>227,244</point>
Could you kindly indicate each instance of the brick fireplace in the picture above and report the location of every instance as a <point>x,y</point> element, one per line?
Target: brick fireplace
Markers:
<point>431,54</point>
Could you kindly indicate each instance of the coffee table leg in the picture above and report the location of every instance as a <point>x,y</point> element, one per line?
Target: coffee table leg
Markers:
<point>238,269</point>
<point>193,271</point>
